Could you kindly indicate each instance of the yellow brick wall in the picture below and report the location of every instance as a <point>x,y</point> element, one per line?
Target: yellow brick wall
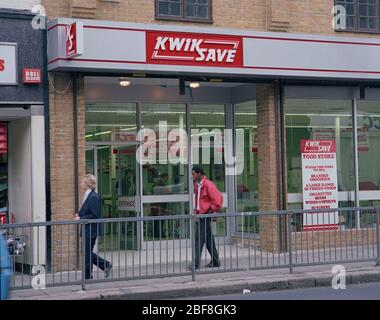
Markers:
<point>294,16</point>
<point>62,179</point>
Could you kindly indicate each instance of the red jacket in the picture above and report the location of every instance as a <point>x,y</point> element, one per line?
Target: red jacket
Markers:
<point>211,199</point>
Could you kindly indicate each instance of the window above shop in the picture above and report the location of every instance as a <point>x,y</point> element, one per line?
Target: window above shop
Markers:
<point>184,10</point>
<point>361,15</point>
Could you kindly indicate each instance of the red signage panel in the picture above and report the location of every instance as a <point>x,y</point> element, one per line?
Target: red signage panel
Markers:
<point>3,218</point>
<point>3,145</point>
<point>74,39</point>
<point>318,146</point>
<point>31,75</point>
<point>3,138</point>
<point>178,48</point>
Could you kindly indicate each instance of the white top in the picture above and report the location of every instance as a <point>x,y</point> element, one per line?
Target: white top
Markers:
<point>199,193</point>
<point>88,191</point>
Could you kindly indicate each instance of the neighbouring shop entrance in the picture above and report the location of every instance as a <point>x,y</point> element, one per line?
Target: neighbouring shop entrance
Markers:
<point>22,176</point>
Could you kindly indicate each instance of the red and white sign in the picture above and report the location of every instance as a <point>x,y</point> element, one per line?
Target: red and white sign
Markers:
<point>123,136</point>
<point>74,39</point>
<point>322,134</point>
<point>3,217</point>
<point>320,184</point>
<point>8,73</point>
<point>3,138</point>
<point>3,147</point>
<point>194,49</point>
<point>363,141</point>
<point>31,75</point>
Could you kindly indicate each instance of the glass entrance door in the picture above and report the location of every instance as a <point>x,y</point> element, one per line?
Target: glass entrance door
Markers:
<point>161,187</point>
<point>164,183</point>
<point>115,169</point>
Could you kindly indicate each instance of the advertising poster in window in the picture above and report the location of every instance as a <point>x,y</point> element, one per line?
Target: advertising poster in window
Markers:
<point>320,184</point>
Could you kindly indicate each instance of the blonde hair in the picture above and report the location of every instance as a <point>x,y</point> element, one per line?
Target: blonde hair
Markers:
<point>90,180</point>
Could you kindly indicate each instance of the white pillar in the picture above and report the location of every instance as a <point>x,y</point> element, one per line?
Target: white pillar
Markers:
<point>37,139</point>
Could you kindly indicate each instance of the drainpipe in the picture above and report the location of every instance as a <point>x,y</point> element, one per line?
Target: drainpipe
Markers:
<point>356,160</point>
<point>45,77</point>
<point>280,141</point>
<point>76,162</point>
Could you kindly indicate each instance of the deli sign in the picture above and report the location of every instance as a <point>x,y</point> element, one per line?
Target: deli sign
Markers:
<point>194,49</point>
<point>8,72</point>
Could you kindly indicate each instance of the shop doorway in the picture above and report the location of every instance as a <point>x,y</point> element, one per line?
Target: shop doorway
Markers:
<point>22,178</point>
<point>115,168</point>
<point>164,188</point>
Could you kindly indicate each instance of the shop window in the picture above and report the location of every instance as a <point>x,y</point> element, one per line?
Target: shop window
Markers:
<point>163,176</point>
<point>361,15</point>
<point>368,122</point>
<point>247,185</point>
<point>184,10</point>
<point>319,120</point>
<point>206,123</point>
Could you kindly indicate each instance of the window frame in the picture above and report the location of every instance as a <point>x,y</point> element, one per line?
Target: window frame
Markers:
<point>182,16</point>
<point>356,28</point>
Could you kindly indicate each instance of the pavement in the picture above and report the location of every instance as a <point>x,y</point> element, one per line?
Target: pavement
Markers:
<point>216,283</point>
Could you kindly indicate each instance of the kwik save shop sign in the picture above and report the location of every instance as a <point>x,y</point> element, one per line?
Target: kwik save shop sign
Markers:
<point>194,49</point>
<point>320,188</point>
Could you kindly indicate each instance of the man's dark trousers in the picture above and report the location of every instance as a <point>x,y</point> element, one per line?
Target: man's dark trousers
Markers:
<point>92,258</point>
<point>203,233</point>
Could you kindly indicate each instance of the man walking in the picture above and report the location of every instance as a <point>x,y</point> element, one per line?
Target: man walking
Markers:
<point>208,199</point>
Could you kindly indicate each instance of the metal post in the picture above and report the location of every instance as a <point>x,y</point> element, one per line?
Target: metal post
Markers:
<point>191,190</point>
<point>356,160</point>
<point>290,242</point>
<point>76,156</point>
<point>192,239</point>
<point>82,226</point>
<point>139,186</point>
<point>377,238</point>
<point>230,149</point>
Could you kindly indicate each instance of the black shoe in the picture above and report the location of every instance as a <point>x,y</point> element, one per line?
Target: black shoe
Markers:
<point>213,265</point>
<point>107,271</point>
<point>191,267</point>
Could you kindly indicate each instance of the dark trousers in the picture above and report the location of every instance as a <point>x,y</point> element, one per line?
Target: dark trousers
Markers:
<point>203,234</point>
<point>92,258</point>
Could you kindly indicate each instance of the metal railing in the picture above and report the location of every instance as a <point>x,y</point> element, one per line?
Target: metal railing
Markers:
<point>164,246</point>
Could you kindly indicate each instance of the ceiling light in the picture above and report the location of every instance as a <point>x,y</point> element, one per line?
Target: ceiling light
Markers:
<point>194,85</point>
<point>124,82</point>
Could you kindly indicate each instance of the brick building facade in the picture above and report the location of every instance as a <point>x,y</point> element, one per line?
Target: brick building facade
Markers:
<point>68,113</point>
